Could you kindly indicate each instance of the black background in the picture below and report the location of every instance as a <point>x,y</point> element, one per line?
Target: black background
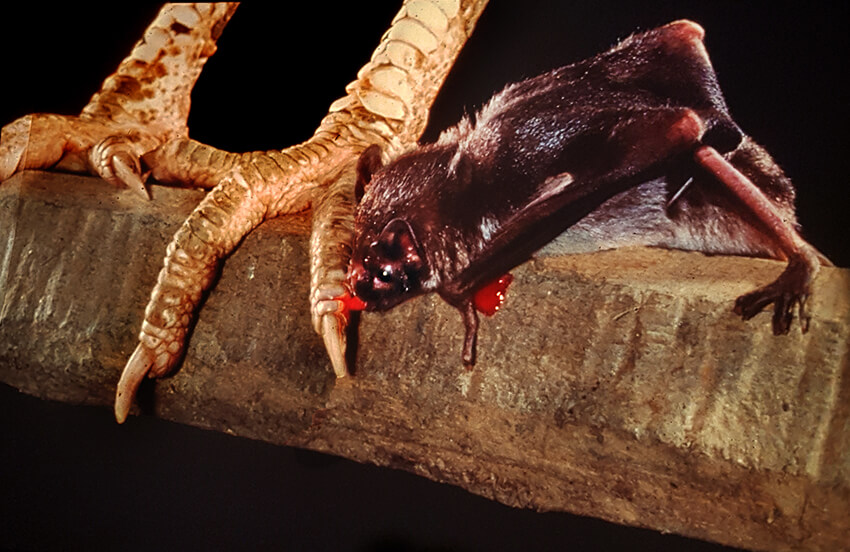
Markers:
<point>73,479</point>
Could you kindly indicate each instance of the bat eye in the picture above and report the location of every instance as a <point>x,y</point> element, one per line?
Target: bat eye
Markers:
<point>385,276</point>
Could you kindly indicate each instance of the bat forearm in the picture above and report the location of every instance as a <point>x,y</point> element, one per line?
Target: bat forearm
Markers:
<point>788,240</point>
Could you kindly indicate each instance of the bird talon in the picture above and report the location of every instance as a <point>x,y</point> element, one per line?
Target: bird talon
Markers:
<point>333,334</point>
<point>129,177</point>
<point>134,372</point>
<point>115,160</point>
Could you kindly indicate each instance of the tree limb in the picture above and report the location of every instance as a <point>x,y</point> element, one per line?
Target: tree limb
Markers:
<point>618,385</point>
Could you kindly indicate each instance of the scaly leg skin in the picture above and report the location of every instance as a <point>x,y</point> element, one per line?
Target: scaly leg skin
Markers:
<point>230,211</point>
<point>330,253</point>
<point>387,105</point>
<point>143,105</point>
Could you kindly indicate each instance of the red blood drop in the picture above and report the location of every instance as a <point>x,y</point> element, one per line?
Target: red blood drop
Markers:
<point>353,303</point>
<point>350,303</point>
<point>489,299</point>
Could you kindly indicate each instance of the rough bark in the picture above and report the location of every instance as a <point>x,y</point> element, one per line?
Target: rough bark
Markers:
<point>618,385</point>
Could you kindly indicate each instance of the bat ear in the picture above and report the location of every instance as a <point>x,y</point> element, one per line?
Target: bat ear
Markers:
<point>368,164</point>
<point>399,242</point>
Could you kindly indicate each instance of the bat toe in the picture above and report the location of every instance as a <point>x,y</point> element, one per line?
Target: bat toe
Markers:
<point>787,294</point>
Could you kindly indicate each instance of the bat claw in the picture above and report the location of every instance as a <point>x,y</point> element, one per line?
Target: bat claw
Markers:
<point>788,291</point>
<point>134,372</point>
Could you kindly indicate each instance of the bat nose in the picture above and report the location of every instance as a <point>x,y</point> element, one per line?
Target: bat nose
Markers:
<point>362,282</point>
<point>356,273</point>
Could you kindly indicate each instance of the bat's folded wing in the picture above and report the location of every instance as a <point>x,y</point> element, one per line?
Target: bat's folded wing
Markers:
<point>632,146</point>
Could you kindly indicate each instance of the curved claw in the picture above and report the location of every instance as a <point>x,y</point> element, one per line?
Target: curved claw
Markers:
<point>333,311</point>
<point>330,320</point>
<point>790,290</point>
<point>116,160</point>
<point>129,177</point>
<point>333,334</point>
<point>134,372</point>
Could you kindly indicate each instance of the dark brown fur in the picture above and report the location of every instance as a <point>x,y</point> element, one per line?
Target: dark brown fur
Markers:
<point>593,152</point>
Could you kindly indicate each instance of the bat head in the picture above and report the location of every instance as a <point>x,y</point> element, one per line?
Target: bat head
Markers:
<point>388,270</point>
<point>387,266</point>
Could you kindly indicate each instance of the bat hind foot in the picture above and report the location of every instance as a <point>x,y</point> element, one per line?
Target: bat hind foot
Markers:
<point>790,290</point>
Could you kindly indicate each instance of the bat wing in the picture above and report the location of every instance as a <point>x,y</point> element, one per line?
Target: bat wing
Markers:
<point>636,144</point>
<point>570,139</point>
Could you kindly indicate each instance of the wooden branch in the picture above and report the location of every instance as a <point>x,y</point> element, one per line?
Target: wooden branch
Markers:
<point>617,385</point>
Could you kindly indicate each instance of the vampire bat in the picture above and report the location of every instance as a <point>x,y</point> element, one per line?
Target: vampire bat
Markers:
<point>632,147</point>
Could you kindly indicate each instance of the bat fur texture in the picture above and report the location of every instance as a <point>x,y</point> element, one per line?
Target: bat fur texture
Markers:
<point>634,146</point>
